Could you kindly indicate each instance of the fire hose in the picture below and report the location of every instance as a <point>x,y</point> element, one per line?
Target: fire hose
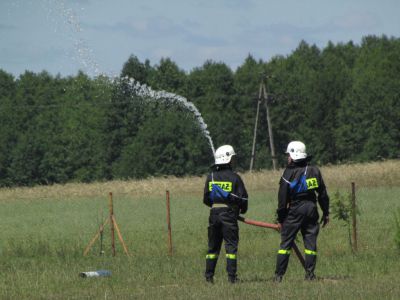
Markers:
<point>276,227</point>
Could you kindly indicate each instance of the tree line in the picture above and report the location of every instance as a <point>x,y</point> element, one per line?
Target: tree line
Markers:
<point>343,101</point>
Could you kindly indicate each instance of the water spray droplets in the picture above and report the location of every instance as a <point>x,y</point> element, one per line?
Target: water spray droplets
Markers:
<point>145,91</point>
<point>86,58</point>
<point>83,54</point>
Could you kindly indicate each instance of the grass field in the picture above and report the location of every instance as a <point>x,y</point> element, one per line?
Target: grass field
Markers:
<point>44,231</point>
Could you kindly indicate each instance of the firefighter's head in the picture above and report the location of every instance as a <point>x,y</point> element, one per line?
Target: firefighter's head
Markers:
<point>296,151</point>
<point>224,154</point>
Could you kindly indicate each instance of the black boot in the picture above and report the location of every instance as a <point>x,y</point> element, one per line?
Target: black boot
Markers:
<point>310,276</point>
<point>278,278</point>
<point>210,269</point>
<point>231,268</point>
<point>282,261</point>
<point>233,279</point>
<point>210,280</point>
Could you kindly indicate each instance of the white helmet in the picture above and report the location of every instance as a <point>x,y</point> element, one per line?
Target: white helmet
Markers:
<point>224,154</point>
<point>296,150</point>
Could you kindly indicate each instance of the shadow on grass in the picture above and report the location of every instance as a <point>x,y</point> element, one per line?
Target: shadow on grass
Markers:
<point>333,278</point>
<point>328,278</point>
<point>256,279</point>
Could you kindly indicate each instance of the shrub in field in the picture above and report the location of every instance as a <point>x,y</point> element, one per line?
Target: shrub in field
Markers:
<point>342,210</point>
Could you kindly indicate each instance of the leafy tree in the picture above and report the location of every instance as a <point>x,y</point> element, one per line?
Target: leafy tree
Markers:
<point>333,83</point>
<point>369,115</point>
<point>211,88</point>
<point>294,87</point>
<point>82,130</point>
<point>8,130</point>
<point>167,76</point>
<point>123,118</point>
<point>340,100</point>
<point>133,68</point>
<point>166,144</point>
<point>32,93</point>
<point>248,76</point>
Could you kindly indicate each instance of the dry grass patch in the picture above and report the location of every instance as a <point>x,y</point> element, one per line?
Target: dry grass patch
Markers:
<point>386,174</point>
<point>375,174</point>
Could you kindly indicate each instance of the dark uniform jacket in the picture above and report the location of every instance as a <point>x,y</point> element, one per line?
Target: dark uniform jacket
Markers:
<point>230,182</point>
<point>293,188</point>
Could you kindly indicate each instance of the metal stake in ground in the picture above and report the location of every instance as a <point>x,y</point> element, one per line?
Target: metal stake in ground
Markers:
<point>274,226</point>
<point>169,225</point>
<point>111,208</point>
<point>115,227</point>
<point>95,237</point>
<point>354,215</point>
<point>101,235</point>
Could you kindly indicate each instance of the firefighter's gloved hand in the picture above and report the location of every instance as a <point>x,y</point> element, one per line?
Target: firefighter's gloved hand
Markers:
<point>324,221</point>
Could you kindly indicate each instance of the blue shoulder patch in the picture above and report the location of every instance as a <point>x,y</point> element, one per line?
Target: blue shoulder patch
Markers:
<point>218,193</point>
<point>299,185</point>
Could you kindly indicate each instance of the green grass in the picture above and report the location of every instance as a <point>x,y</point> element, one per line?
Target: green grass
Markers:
<point>42,241</point>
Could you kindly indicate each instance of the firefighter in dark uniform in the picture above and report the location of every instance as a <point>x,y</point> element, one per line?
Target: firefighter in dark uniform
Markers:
<point>297,210</point>
<point>226,194</point>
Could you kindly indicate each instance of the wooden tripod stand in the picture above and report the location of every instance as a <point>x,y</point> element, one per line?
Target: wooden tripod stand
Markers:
<point>113,226</point>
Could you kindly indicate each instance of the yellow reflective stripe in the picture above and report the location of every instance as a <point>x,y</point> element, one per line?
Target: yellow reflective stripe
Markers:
<point>312,183</point>
<point>225,185</point>
<point>310,252</point>
<point>211,256</point>
<point>283,251</point>
<point>231,256</point>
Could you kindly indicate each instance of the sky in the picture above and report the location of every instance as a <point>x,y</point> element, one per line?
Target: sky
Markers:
<point>98,36</point>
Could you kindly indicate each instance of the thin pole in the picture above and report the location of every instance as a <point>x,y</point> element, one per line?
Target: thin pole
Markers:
<point>354,215</point>
<point>112,223</point>
<point>99,232</point>
<point>271,137</point>
<point>120,236</point>
<point>101,235</point>
<point>169,225</point>
<point>253,148</point>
